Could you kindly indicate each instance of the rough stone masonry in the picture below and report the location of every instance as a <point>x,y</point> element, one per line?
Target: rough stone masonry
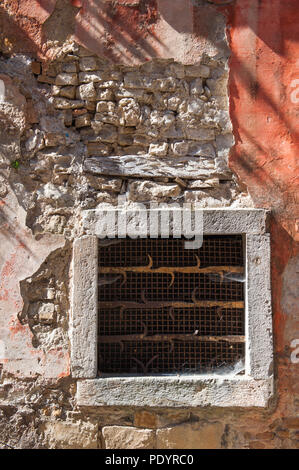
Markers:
<point>78,127</point>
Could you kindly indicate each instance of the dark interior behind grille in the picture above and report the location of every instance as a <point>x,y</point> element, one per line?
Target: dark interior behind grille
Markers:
<point>165,309</point>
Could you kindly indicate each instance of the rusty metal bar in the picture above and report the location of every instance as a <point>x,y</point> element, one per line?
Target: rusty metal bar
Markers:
<point>171,269</point>
<point>179,337</point>
<point>197,303</point>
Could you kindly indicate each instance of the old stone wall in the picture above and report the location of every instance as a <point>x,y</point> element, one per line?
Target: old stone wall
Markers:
<point>84,119</point>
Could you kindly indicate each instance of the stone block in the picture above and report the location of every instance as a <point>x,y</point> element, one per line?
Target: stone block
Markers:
<point>82,121</point>
<point>64,79</point>
<point>196,87</point>
<point>197,71</point>
<point>96,148</point>
<point>88,64</point>
<point>105,107</point>
<point>166,84</point>
<point>125,139</point>
<point>46,313</point>
<point>200,134</point>
<point>86,92</point>
<point>70,67</point>
<point>62,103</point>
<point>53,139</point>
<point>152,191</point>
<point>132,80</point>
<point>202,150</point>
<point>130,112</point>
<point>46,79</point>
<point>125,437</point>
<point>218,87</point>
<point>105,184</point>
<point>68,92</point>
<point>62,435</point>
<point>36,67</point>
<point>191,436</point>
<point>160,150</point>
<point>200,184</point>
<point>195,106</point>
<point>96,76</point>
<point>105,95</point>
<point>105,132</point>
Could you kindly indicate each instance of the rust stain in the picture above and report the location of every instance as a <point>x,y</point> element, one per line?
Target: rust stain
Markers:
<point>16,327</point>
<point>8,268</point>
<point>5,296</point>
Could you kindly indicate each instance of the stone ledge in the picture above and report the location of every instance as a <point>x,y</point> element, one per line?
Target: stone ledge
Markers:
<point>215,221</point>
<point>158,391</point>
<point>148,166</point>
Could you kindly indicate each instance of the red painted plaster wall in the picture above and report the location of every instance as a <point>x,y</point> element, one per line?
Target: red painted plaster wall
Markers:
<point>264,40</point>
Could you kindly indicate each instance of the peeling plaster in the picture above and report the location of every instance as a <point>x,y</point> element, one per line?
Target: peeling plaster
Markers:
<point>21,256</point>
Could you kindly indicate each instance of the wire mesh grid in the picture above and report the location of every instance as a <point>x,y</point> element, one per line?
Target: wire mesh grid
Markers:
<point>165,309</point>
<point>215,321</point>
<point>137,357</point>
<point>216,250</point>
<point>158,287</point>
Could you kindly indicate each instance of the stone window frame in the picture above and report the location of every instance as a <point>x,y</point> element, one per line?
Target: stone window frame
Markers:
<point>253,389</point>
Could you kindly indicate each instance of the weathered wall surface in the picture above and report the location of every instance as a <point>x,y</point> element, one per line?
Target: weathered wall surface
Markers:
<point>149,101</point>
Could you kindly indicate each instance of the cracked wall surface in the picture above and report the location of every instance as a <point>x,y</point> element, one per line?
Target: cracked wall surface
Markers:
<point>144,99</point>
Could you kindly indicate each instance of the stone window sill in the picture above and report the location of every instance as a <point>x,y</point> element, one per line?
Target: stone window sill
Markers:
<point>192,391</point>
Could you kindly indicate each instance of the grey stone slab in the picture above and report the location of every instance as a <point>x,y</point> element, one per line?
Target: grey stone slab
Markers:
<point>84,317</point>
<point>259,345</point>
<point>174,392</point>
<point>146,166</point>
<point>217,221</point>
<point>230,221</point>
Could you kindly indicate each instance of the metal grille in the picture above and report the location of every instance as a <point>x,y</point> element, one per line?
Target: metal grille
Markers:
<point>165,309</point>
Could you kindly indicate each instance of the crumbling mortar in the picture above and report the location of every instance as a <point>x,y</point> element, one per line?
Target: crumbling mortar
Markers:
<point>45,295</point>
